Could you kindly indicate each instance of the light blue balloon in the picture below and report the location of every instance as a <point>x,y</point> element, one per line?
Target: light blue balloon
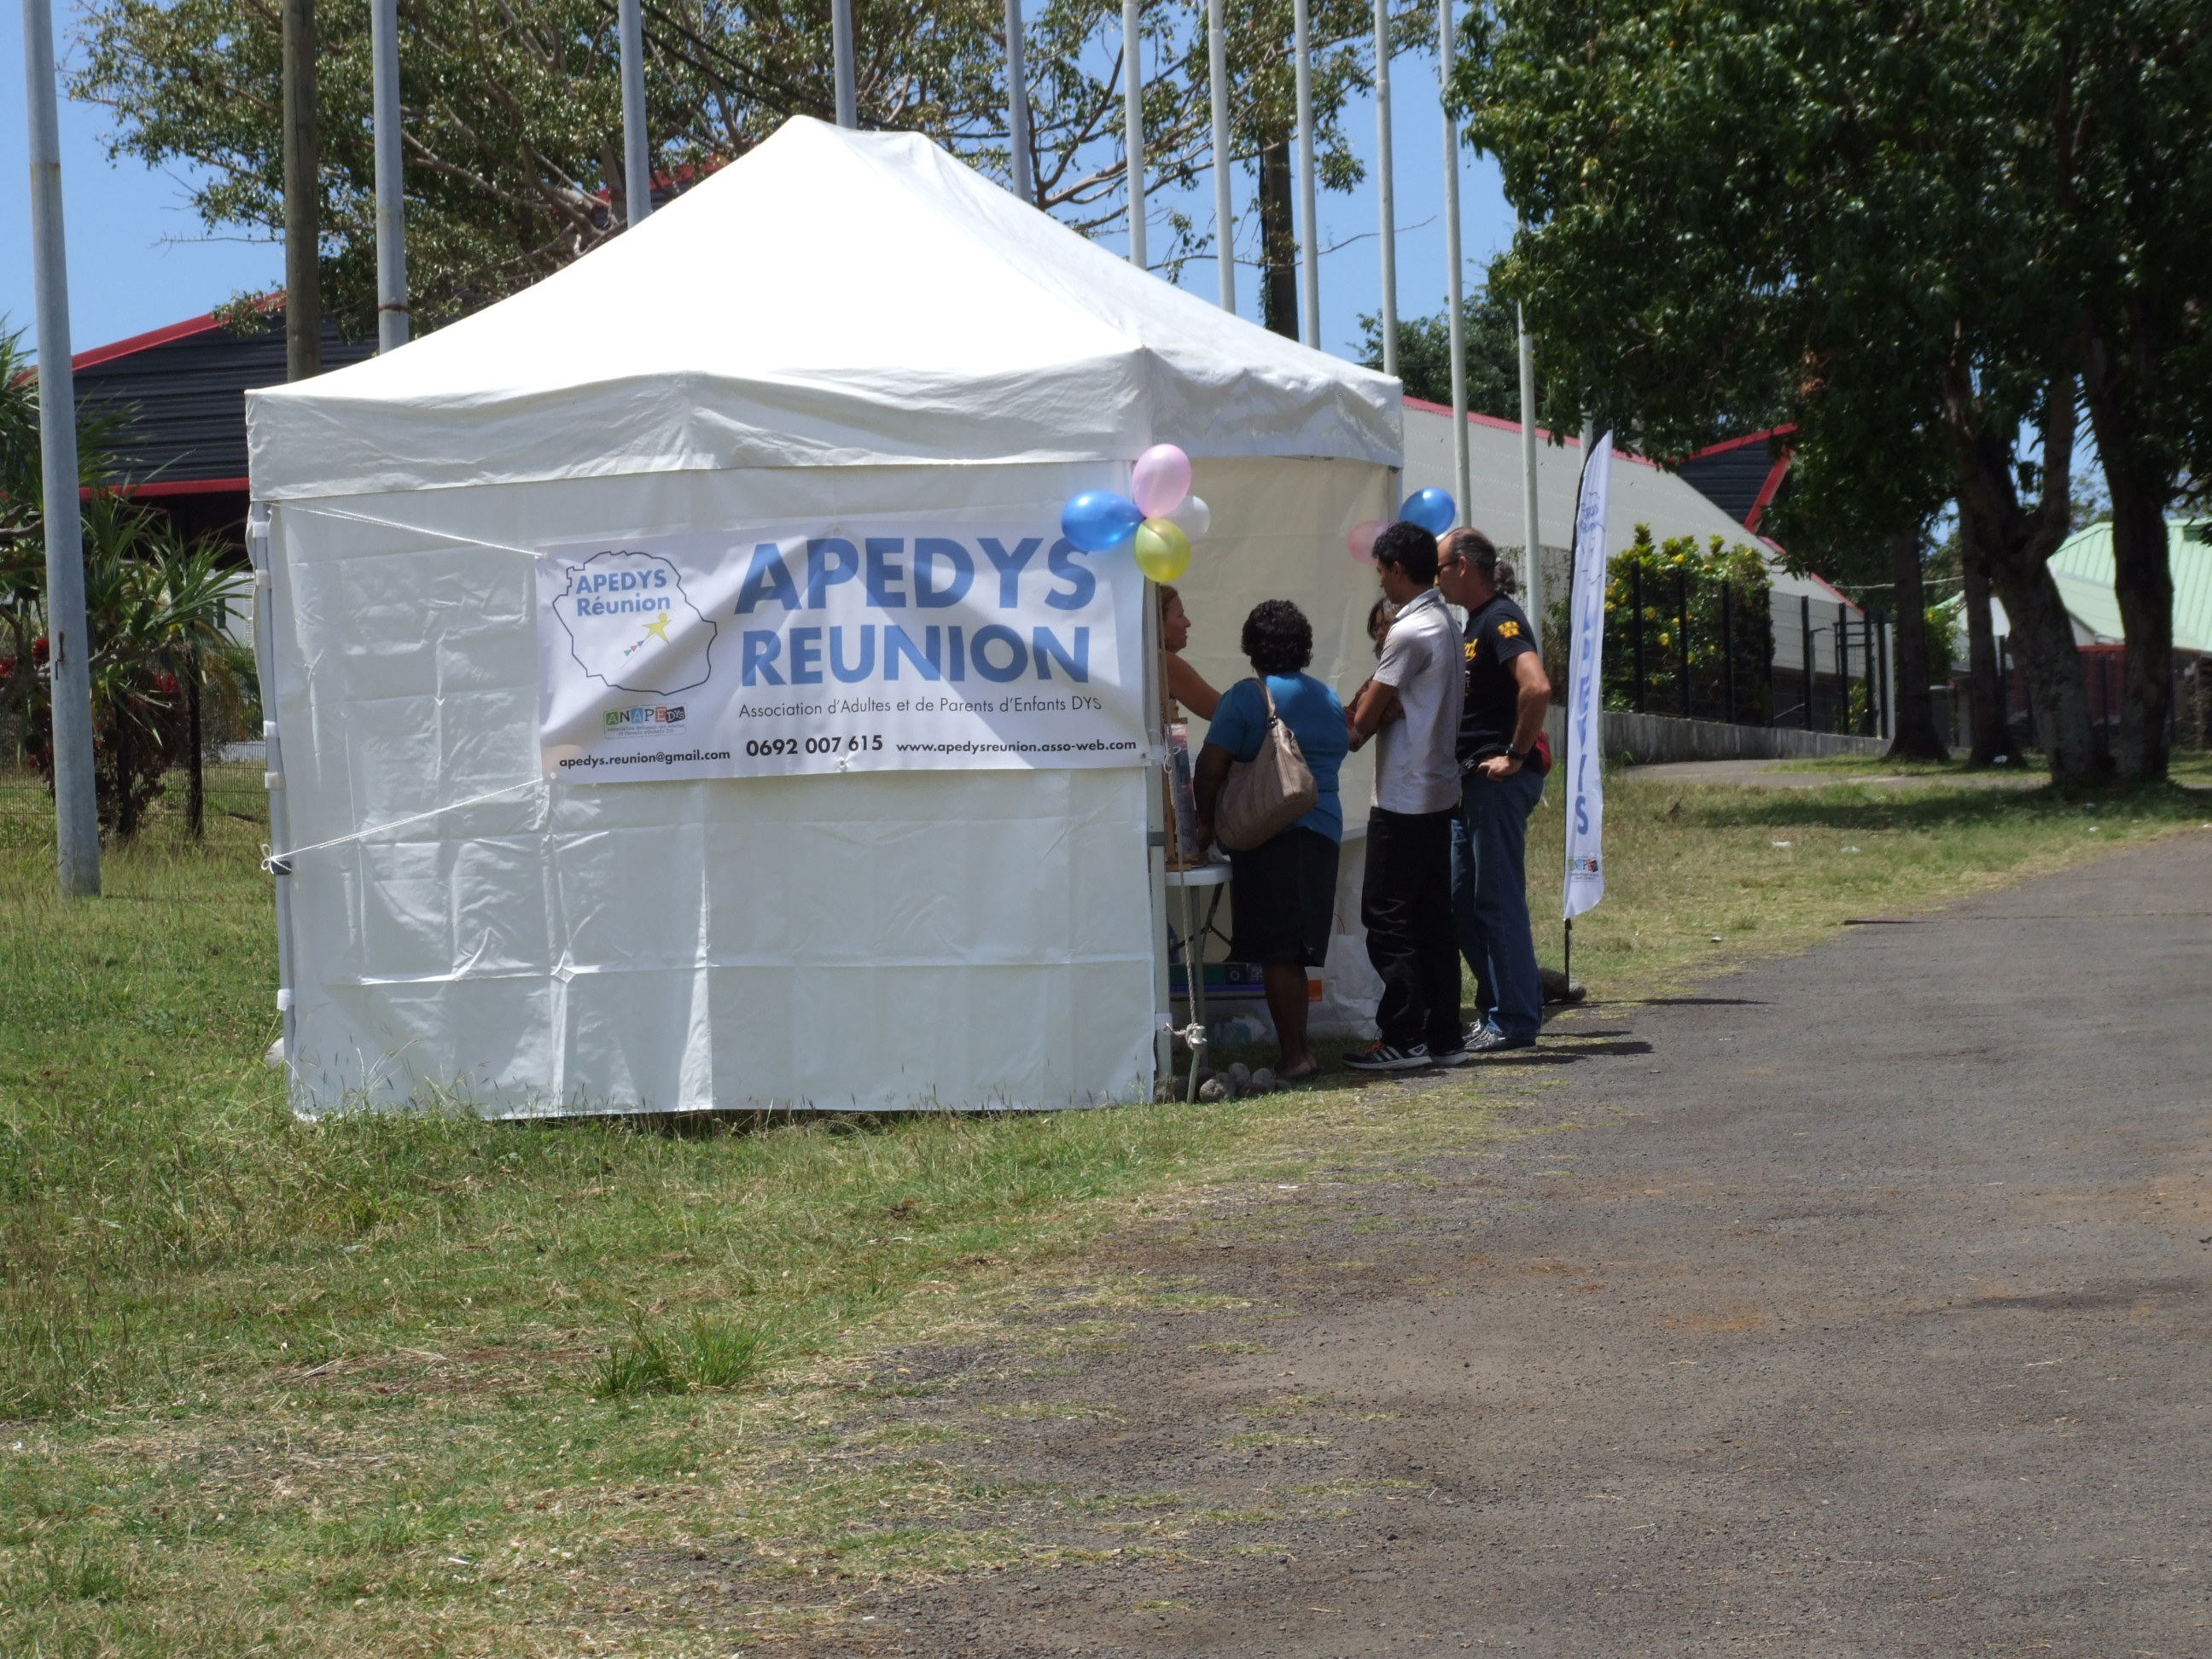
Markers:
<point>1098,519</point>
<point>1431,509</point>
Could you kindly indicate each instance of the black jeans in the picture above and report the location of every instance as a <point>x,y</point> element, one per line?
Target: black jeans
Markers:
<point>1405,905</point>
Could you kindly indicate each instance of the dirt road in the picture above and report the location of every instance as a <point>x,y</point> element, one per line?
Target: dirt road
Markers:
<point>1857,1308</point>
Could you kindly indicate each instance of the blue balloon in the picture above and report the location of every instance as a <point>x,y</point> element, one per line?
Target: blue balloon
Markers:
<point>1098,519</point>
<point>1431,509</point>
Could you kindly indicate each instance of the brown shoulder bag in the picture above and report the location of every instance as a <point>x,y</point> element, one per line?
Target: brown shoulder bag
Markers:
<point>1268,794</point>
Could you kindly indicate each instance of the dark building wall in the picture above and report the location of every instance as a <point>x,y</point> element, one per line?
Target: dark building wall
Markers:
<point>185,398</point>
<point>1732,478</point>
<point>181,393</point>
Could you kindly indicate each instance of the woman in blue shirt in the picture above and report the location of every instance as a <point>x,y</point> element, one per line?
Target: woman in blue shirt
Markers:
<point>1284,890</point>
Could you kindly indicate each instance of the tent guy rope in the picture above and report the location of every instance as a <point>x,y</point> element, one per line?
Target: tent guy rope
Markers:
<point>270,860</point>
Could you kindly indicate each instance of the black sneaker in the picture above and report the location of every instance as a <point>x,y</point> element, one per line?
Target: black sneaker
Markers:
<point>1489,1040</point>
<point>1384,1057</point>
<point>1454,1055</point>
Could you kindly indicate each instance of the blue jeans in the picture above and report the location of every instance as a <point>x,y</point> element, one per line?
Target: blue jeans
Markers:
<point>1490,899</point>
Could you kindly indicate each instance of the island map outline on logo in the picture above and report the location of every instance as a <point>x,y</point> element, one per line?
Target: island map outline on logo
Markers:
<point>623,610</point>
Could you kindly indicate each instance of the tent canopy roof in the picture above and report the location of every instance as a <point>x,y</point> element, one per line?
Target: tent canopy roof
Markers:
<point>831,298</point>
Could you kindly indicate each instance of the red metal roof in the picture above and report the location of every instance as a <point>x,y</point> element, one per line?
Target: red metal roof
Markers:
<point>147,342</point>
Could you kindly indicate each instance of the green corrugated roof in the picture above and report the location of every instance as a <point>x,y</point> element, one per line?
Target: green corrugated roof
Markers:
<point>2083,565</point>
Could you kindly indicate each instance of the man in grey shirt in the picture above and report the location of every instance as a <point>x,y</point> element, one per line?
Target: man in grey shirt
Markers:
<point>1414,702</point>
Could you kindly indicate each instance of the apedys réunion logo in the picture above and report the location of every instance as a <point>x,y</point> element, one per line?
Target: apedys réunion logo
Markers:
<point>632,627</point>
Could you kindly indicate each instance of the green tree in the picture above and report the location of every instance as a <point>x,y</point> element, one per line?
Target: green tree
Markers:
<point>1492,329</point>
<point>1861,495</point>
<point>2127,187</point>
<point>1845,199</point>
<point>512,116</point>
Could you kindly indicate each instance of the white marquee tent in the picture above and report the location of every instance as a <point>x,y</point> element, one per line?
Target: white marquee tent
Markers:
<point>837,327</point>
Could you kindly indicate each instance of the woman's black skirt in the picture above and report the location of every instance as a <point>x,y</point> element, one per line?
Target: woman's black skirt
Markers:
<point>1284,895</point>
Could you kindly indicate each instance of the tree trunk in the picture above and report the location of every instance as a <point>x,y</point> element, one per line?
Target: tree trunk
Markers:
<point>1993,739</point>
<point>1278,241</point>
<point>2043,643</point>
<point>2016,543</point>
<point>2143,581</point>
<point>1915,736</point>
<point>196,776</point>
<point>303,305</point>
<point>2142,571</point>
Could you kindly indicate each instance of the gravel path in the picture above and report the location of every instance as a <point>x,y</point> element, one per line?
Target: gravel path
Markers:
<point>1859,1307</point>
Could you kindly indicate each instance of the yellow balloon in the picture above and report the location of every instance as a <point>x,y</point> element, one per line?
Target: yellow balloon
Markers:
<point>1162,551</point>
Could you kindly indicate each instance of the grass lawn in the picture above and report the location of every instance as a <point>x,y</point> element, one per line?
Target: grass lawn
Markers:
<point>416,1385</point>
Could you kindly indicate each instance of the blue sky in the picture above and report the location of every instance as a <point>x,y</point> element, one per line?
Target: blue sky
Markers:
<point>139,257</point>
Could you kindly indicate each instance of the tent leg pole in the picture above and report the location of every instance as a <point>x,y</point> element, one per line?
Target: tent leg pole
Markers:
<point>1194,984</point>
<point>1157,829</point>
<point>265,635</point>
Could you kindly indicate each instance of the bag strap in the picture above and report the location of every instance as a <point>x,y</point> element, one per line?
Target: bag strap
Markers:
<point>1267,697</point>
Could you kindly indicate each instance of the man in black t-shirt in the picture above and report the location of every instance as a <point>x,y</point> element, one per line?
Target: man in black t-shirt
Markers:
<point>1502,758</point>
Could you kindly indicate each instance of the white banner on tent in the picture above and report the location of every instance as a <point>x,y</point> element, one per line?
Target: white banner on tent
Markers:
<point>858,644</point>
<point>1586,691</point>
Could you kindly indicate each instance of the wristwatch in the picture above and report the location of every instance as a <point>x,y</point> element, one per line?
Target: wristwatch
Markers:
<point>1523,758</point>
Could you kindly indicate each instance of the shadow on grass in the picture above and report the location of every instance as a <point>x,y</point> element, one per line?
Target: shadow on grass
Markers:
<point>1933,810</point>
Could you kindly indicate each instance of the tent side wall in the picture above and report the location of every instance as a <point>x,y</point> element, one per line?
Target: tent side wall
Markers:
<point>1281,530</point>
<point>1279,533</point>
<point>881,941</point>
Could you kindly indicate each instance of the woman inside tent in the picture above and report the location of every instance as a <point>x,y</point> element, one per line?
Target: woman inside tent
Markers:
<point>1185,685</point>
<point>1284,890</point>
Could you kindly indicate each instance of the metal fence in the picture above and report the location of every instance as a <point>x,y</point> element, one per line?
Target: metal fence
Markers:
<point>1839,679</point>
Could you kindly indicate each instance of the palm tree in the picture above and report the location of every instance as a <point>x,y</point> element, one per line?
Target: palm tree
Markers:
<point>155,604</point>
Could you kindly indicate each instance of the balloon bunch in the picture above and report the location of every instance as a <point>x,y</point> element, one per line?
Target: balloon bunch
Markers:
<point>1434,510</point>
<point>1162,522</point>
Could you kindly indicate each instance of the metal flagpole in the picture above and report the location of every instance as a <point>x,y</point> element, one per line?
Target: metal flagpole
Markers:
<point>1224,226</point>
<point>1017,107</point>
<point>1308,221</point>
<point>392,317</point>
<point>840,46</point>
<point>1132,126</point>
<point>637,159</point>
<point>1463,472</point>
<point>1531,543</point>
<point>76,805</point>
<point>1388,204</point>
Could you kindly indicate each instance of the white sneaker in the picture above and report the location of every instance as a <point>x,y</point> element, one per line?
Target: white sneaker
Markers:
<point>1384,1057</point>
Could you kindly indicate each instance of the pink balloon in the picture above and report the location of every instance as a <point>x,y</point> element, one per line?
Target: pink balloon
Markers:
<point>1160,480</point>
<point>1361,541</point>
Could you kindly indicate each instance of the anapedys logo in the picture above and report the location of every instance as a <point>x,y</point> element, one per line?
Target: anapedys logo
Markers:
<point>632,627</point>
<point>646,718</point>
